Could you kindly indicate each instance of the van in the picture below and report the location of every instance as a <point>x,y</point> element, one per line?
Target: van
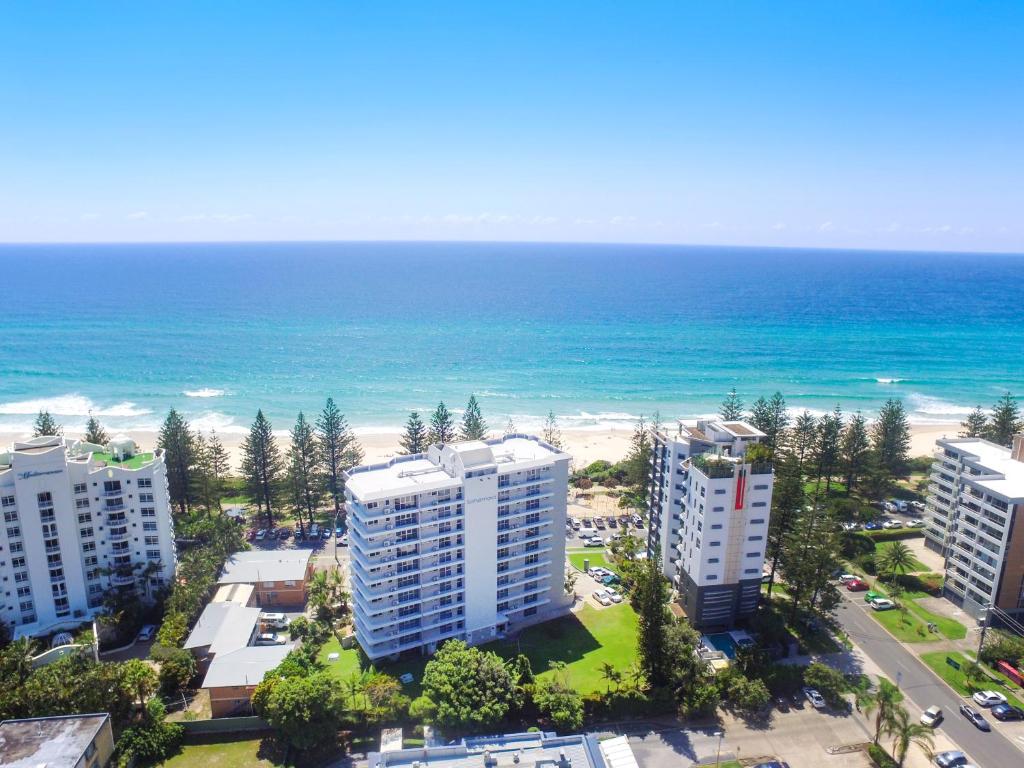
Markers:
<point>274,620</point>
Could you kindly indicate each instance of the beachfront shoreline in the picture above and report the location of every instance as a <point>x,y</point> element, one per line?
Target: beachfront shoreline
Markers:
<point>585,445</point>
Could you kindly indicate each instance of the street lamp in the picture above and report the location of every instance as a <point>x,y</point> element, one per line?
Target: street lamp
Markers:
<point>718,753</point>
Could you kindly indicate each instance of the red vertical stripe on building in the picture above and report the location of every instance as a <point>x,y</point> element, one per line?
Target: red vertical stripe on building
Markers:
<point>741,486</point>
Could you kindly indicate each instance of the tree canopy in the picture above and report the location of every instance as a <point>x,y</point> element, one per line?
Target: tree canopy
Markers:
<point>469,687</point>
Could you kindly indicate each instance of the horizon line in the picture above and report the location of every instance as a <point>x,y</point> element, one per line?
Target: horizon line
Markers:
<point>589,243</point>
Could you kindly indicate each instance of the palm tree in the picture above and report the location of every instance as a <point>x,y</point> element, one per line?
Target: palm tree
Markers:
<point>883,702</point>
<point>905,733</point>
<point>611,676</point>
<point>897,559</point>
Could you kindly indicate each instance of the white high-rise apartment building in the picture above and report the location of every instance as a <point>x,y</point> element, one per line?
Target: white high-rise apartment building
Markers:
<point>465,541</point>
<point>76,524</point>
<point>974,518</point>
<point>709,510</point>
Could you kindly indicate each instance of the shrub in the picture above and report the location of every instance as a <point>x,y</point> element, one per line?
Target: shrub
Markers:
<point>894,535</point>
<point>856,544</point>
<point>829,682</point>
<point>880,757</point>
<point>867,564</point>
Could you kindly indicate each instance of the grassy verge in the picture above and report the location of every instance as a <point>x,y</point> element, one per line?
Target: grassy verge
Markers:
<point>884,546</point>
<point>595,556</point>
<point>906,627</point>
<point>957,680</point>
<point>222,754</point>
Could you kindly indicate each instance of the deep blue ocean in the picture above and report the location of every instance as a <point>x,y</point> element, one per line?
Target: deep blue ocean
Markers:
<point>597,333</point>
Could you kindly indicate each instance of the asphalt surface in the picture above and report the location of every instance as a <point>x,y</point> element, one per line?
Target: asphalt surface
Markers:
<point>986,750</point>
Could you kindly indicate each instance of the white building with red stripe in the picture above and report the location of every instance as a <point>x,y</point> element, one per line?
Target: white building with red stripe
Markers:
<point>709,511</point>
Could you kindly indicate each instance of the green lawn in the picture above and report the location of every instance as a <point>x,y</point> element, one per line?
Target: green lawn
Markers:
<point>883,546</point>
<point>583,641</point>
<point>595,556</point>
<point>908,628</point>
<point>222,754</point>
<point>956,679</point>
<point>917,616</point>
<point>134,462</point>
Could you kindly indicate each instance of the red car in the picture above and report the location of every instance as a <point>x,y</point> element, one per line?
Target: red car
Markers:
<point>856,586</point>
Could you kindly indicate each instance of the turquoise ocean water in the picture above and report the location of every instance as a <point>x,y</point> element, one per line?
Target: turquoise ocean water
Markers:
<point>597,333</point>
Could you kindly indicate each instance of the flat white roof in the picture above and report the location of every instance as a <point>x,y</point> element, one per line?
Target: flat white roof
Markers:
<point>224,627</point>
<point>265,565</point>
<point>418,474</point>
<point>246,666</point>
<point>996,459</point>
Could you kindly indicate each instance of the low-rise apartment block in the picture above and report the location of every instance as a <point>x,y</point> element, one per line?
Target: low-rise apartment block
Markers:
<point>465,541</point>
<point>974,518</point>
<point>64,741</point>
<point>709,509</point>
<point>280,577</point>
<point>77,522</point>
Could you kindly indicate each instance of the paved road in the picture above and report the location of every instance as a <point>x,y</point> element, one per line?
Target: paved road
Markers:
<point>987,750</point>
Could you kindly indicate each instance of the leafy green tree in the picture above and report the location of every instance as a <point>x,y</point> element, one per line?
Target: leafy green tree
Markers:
<point>178,442</point>
<point>94,432</point>
<point>890,437</point>
<point>442,425</point>
<point>732,407</point>
<point>772,418</point>
<point>803,438</point>
<point>46,426</point>
<point>470,687</point>
<point>304,469</point>
<point>611,675</point>
<point>151,741</point>
<point>742,693</point>
<point>262,466</point>
<point>473,425</point>
<point>811,555</point>
<point>552,434</point>
<point>855,450</point>
<point>385,700</point>
<point>830,683</point>
<point>1006,421</point>
<point>303,710</point>
<point>415,439</point>
<point>140,678</point>
<point>339,450</point>
<point>559,701</point>
<point>882,702</point>
<point>177,668</point>
<point>217,462</point>
<point>827,446</point>
<point>976,424</point>
<point>787,505</point>
<point>203,491</point>
<point>649,599</point>
<point>905,732</point>
<point>638,459</point>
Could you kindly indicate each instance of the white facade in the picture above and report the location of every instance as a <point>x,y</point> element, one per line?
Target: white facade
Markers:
<point>976,491</point>
<point>466,541</point>
<point>75,526</point>
<point>709,512</point>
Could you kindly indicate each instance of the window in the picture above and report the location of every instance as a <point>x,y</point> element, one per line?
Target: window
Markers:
<point>84,517</point>
<point>757,521</point>
<point>761,487</point>
<point>91,559</point>
<point>85,533</point>
<point>81,488</point>
<point>17,562</point>
<point>13,532</point>
<point>714,543</point>
<point>11,516</point>
<point>24,591</point>
<point>753,554</point>
<point>45,499</point>
<point>750,570</point>
<point>719,490</point>
<point>144,482</point>
<point>711,577</point>
<point>759,504</point>
<point>148,512</point>
<point>17,546</point>
<point>148,526</point>
<point>702,491</point>
<point>26,605</point>
<point>754,538</point>
<point>153,554</point>
<point>6,501</point>
<point>146,498</point>
<point>716,526</point>
<point>718,509</point>
<point>81,503</point>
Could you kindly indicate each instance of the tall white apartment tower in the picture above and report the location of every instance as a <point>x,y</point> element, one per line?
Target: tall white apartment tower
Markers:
<point>465,541</point>
<point>975,518</point>
<point>76,524</point>
<point>709,510</point>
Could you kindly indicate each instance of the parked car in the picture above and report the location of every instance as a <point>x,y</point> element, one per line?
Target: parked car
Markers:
<point>274,620</point>
<point>284,533</point>
<point>638,522</point>
<point>816,699</point>
<point>850,526</point>
<point>882,604</point>
<point>988,698</point>
<point>613,523</point>
<point>325,533</point>
<point>917,506</point>
<point>976,718</point>
<point>339,531</point>
<point>602,597</point>
<point>146,633</point>
<point>872,526</point>
<point>614,596</point>
<point>576,525</point>
<point>782,703</point>
<point>1007,712</point>
<point>952,758</point>
<point>856,585</point>
<point>891,524</point>
<point>916,524</point>
<point>269,638</point>
<point>261,534</point>
<point>599,523</point>
<point>931,716</point>
<point>871,595</point>
<point>593,541</point>
<point>314,531</point>
<point>889,506</point>
<point>847,577</point>
<point>588,523</point>
<point>343,540</point>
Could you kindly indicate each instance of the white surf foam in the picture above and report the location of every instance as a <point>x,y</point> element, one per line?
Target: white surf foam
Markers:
<point>204,392</point>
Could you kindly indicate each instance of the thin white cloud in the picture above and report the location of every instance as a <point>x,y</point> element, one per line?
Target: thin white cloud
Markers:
<point>826,226</point>
<point>220,218</point>
<point>137,216</point>
<point>779,226</point>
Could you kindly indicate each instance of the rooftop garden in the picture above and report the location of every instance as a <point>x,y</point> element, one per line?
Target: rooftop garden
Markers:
<point>135,462</point>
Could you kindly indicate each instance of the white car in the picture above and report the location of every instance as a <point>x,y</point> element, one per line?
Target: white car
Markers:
<point>890,524</point>
<point>602,597</point>
<point>881,604</point>
<point>816,699</point>
<point>275,620</point>
<point>593,541</point>
<point>916,524</point>
<point>931,717</point>
<point>847,577</point>
<point>146,633</point>
<point>261,534</point>
<point>988,698</point>
<point>614,596</point>
<point>269,638</point>
<point>850,526</point>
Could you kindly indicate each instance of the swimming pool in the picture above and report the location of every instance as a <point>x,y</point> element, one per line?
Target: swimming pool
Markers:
<point>722,641</point>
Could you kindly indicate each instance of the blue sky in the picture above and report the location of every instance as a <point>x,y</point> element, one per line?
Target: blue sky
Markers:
<point>835,124</point>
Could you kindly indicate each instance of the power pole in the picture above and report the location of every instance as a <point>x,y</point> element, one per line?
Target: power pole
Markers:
<point>984,626</point>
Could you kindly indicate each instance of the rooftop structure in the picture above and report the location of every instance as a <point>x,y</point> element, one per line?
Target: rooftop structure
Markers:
<point>518,749</point>
<point>70,741</point>
<point>709,509</point>
<point>975,495</point>
<point>244,667</point>
<point>265,565</point>
<point>464,541</point>
<point>224,627</point>
<point>76,525</point>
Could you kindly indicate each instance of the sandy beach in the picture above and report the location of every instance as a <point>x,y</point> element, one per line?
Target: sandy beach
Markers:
<point>585,445</point>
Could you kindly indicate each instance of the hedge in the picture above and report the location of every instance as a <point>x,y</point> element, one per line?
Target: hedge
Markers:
<point>893,534</point>
<point>880,757</point>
